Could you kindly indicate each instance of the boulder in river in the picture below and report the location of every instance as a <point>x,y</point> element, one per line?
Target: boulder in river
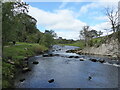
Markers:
<point>21,80</point>
<point>50,55</point>
<point>76,56</point>
<point>101,61</point>
<point>59,49</point>
<point>93,60</point>
<point>71,57</point>
<point>70,51</point>
<point>51,80</point>
<point>56,55</point>
<point>35,62</point>
<point>89,78</point>
<point>45,55</point>
<point>81,59</point>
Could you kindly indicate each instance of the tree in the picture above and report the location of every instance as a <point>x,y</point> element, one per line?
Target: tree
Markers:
<point>93,33</point>
<point>88,34</point>
<point>17,24</point>
<point>85,33</point>
<point>112,15</point>
<point>10,20</point>
<point>48,38</point>
<point>99,33</point>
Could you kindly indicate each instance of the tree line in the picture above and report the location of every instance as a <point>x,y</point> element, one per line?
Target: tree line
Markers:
<point>18,26</point>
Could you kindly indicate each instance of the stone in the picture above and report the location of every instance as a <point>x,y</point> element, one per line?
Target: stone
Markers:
<point>50,54</point>
<point>81,59</point>
<point>76,56</point>
<point>25,58</point>
<point>21,80</point>
<point>101,61</point>
<point>25,48</point>
<point>11,62</point>
<point>89,78</point>
<point>51,80</point>
<point>93,60</point>
<point>26,69</point>
<point>59,49</point>
<point>45,55</point>
<point>70,56</point>
<point>35,62</point>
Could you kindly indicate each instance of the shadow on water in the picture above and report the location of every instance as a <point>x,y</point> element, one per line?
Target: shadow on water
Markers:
<point>69,72</point>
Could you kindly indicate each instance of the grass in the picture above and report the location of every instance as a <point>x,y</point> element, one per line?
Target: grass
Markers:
<point>17,53</point>
<point>80,44</point>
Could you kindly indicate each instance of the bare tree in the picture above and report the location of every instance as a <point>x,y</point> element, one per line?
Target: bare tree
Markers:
<point>112,15</point>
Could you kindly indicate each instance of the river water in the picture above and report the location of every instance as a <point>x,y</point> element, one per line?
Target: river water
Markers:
<point>69,72</point>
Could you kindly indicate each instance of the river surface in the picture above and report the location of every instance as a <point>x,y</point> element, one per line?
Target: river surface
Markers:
<point>69,72</point>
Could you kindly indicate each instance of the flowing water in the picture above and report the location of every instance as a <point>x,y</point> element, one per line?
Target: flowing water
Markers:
<point>69,72</point>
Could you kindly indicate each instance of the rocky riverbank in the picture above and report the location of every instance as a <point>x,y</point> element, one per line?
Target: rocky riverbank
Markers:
<point>108,49</point>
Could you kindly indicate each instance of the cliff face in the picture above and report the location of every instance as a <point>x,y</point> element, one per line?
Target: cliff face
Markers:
<point>110,48</point>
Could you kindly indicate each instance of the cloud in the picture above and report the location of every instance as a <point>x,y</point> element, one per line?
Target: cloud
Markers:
<point>59,20</point>
<point>105,18</point>
<point>105,27</point>
<point>85,8</point>
<point>63,5</point>
<point>65,22</point>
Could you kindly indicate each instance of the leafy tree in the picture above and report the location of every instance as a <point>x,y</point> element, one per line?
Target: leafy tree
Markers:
<point>48,38</point>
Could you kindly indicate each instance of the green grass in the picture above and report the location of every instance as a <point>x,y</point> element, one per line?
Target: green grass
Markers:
<point>80,44</point>
<point>17,53</point>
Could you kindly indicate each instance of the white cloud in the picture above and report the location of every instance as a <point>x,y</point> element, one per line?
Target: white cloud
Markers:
<point>85,8</point>
<point>69,35</point>
<point>101,18</point>
<point>64,20</point>
<point>105,27</point>
<point>98,4</point>
<point>63,5</point>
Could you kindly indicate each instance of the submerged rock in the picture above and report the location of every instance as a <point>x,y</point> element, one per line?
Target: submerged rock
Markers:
<point>71,57</point>
<point>45,55</point>
<point>51,80</point>
<point>59,49</point>
<point>89,78</point>
<point>81,59</point>
<point>93,60</point>
<point>101,61</point>
<point>35,62</point>
<point>21,80</point>
<point>76,56</point>
<point>70,51</point>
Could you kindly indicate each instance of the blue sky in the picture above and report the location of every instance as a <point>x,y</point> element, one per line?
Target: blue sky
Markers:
<point>75,6</point>
<point>68,18</point>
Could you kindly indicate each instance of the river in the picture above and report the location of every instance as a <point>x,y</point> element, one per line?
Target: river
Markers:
<point>69,72</point>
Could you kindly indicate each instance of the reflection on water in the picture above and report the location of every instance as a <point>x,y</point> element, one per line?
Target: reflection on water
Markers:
<point>69,72</point>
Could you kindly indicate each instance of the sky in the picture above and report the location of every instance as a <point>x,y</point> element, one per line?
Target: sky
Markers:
<point>68,18</point>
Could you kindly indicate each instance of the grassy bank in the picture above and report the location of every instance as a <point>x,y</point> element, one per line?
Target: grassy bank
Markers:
<point>80,44</point>
<point>15,54</point>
